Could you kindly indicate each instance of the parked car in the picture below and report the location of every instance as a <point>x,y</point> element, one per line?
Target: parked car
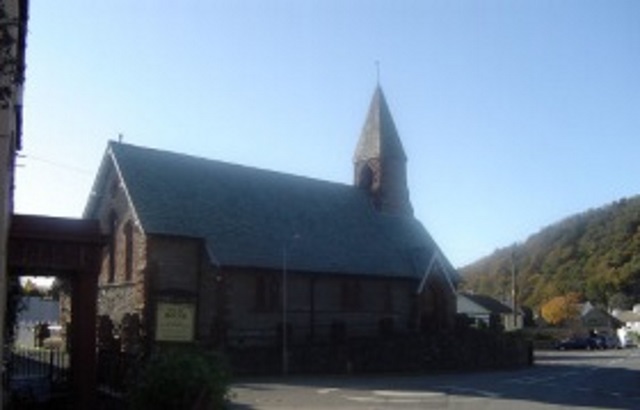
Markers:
<point>629,342</point>
<point>627,338</point>
<point>577,343</point>
<point>572,343</point>
<point>609,342</point>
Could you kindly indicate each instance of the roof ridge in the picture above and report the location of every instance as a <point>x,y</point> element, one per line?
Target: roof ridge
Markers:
<point>188,156</point>
<point>242,212</point>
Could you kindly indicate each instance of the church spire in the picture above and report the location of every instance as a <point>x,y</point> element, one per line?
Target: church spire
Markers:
<point>380,160</point>
<point>379,136</point>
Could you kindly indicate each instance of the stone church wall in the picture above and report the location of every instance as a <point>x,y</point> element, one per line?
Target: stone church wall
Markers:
<point>226,298</point>
<point>315,306</point>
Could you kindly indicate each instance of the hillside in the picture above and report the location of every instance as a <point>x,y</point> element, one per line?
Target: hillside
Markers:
<point>595,253</point>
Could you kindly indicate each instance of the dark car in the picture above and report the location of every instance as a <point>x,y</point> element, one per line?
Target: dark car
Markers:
<point>608,342</point>
<point>577,343</point>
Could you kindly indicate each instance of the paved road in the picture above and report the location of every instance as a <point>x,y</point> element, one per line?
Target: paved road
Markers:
<point>560,380</point>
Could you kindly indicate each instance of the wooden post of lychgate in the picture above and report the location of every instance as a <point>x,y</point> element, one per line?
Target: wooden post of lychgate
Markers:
<point>83,340</point>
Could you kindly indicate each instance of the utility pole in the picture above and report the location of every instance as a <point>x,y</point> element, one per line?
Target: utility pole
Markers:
<point>285,328</point>
<point>514,288</point>
<point>285,352</point>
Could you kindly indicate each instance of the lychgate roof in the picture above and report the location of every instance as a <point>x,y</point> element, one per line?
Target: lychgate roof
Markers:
<point>247,216</point>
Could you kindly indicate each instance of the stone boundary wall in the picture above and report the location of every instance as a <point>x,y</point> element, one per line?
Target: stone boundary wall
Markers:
<point>470,350</point>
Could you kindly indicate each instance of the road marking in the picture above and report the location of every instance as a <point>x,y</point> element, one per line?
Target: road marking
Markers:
<point>406,394</point>
<point>397,397</point>
<point>373,399</point>
<point>467,390</point>
<point>327,390</point>
<point>458,394</point>
<point>531,380</point>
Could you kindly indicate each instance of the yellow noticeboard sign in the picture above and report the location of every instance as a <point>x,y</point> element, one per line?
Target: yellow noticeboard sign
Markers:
<point>175,322</point>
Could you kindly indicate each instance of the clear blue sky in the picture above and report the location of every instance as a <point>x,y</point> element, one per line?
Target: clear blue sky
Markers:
<point>514,114</point>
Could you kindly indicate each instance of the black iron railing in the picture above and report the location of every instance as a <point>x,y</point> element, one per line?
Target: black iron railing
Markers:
<point>36,375</point>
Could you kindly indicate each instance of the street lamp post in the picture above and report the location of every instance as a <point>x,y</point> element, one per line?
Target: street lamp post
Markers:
<point>514,288</point>
<point>285,353</point>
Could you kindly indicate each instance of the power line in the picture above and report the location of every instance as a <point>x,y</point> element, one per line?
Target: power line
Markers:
<point>56,164</point>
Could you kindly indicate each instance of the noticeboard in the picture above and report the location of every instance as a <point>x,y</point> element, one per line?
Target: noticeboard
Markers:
<point>175,322</point>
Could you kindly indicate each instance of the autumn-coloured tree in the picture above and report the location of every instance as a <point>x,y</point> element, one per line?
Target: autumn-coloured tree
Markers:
<point>561,309</point>
<point>30,288</point>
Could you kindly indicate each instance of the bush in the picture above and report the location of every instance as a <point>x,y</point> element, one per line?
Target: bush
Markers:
<point>181,378</point>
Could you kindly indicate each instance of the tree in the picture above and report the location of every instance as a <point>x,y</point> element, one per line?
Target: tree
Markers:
<point>58,288</point>
<point>30,288</point>
<point>599,290</point>
<point>181,378</point>
<point>11,69</point>
<point>561,310</point>
<point>595,253</point>
<point>621,301</point>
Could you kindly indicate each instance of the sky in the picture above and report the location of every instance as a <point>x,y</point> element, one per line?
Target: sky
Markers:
<point>513,114</point>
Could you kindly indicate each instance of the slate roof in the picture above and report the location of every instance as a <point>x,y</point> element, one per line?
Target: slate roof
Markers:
<point>627,316</point>
<point>591,314</point>
<point>246,216</point>
<point>487,302</point>
<point>379,137</point>
<point>37,309</point>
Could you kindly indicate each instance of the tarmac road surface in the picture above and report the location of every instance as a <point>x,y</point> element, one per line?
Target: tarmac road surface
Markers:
<point>606,379</point>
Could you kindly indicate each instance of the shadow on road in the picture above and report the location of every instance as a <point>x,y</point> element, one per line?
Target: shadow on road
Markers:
<point>562,379</point>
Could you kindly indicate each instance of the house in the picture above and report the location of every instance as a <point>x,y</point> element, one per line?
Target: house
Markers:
<point>486,311</point>
<point>598,320</point>
<point>630,325</point>
<point>225,254</point>
<point>630,318</point>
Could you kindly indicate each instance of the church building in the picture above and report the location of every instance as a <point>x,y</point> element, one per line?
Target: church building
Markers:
<point>223,254</point>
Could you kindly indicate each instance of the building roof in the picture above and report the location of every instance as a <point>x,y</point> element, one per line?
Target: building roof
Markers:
<point>598,317</point>
<point>488,303</point>
<point>247,216</point>
<point>38,309</point>
<point>627,316</point>
<point>379,137</point>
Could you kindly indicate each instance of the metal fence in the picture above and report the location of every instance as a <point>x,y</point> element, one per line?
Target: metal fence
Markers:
<point>36,375</point>
<point>116,370</point>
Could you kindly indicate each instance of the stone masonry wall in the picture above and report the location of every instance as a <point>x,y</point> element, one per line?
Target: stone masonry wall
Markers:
<point>122,295</point>
<point>380,300</point>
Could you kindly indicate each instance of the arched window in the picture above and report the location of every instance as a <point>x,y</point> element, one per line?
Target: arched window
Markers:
<point>113,230</point>
<point>351,293</point>
<point>365,180</point>
<point>261,293</point>
<point>128,251</point>
<point>388,297</point>
<point>267,293</point>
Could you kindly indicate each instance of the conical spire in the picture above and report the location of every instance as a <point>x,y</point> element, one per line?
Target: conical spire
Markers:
<point>380,164</point>
<point>379,138</point>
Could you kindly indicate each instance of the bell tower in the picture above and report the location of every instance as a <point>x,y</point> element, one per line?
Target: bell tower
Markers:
<point>380,164</point>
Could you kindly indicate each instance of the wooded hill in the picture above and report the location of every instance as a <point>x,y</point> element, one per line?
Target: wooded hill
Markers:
<point>595,253</point>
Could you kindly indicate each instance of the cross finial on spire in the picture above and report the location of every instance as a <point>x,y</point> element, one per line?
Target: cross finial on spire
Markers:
<point>377,72</point>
